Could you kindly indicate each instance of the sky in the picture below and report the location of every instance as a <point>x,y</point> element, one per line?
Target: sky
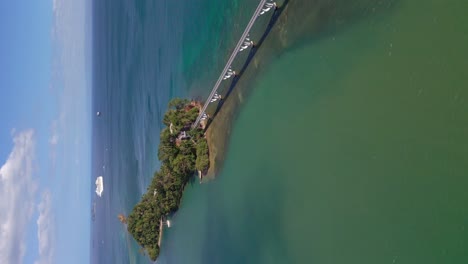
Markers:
<point>45,131</point>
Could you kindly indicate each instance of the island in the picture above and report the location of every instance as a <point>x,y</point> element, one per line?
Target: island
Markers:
<point>183,152</point>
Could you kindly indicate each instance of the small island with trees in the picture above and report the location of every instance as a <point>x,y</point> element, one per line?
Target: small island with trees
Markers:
<point>183,152</point>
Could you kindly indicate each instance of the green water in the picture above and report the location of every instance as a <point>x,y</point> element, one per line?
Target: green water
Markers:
<point>351,148</point>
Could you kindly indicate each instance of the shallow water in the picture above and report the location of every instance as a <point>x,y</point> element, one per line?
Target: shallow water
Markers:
<point>351,148</point>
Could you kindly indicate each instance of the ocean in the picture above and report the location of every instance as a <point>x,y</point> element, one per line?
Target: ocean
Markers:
<point>144,53</point>
<point>343,142</point>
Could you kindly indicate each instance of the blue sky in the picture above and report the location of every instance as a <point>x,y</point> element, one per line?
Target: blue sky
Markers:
<point>45,131</point>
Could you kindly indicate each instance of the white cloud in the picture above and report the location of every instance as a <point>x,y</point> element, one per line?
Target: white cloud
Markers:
<point>17,190</point>
<point>54,137</point>
<point>53,141</point>
<point>54,6</point>
<point>45,230</point>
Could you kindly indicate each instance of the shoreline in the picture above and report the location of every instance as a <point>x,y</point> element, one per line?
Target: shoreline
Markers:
<point>279,39</point>
<point>182,152</point>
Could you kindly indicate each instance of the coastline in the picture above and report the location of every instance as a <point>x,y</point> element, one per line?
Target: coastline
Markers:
<point>182,152</point>
<point>278,39</point>
<point>219,140</point>
<point>131,132</point>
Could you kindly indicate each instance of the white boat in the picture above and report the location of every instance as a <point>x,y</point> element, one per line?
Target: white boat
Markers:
<point>99,186</point>
<point>98,113</point>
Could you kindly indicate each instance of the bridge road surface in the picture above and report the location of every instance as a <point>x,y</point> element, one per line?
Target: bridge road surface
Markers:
<point>229,62</point>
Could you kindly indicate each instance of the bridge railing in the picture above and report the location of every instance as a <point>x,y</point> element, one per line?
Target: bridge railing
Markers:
<point>244,42</point>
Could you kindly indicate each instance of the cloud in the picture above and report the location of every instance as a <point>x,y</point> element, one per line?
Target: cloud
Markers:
<point>54,6</point>
<point>54,137</point>
<point>45,230</point>
<point>17,191</point>
<point>53,141</point>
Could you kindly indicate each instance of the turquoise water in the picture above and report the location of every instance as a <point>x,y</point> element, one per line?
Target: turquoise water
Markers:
<point>349,147</point>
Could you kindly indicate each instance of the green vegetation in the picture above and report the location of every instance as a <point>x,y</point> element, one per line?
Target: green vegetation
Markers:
<point>182,152</point>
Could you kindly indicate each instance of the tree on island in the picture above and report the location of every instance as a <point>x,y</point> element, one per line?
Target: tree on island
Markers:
<point>182,153</point>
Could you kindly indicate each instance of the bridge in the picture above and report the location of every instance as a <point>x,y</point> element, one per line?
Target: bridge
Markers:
<point>244,42</point>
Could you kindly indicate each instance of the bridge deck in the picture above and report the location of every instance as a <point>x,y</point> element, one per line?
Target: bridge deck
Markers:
<point>229,62</point>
